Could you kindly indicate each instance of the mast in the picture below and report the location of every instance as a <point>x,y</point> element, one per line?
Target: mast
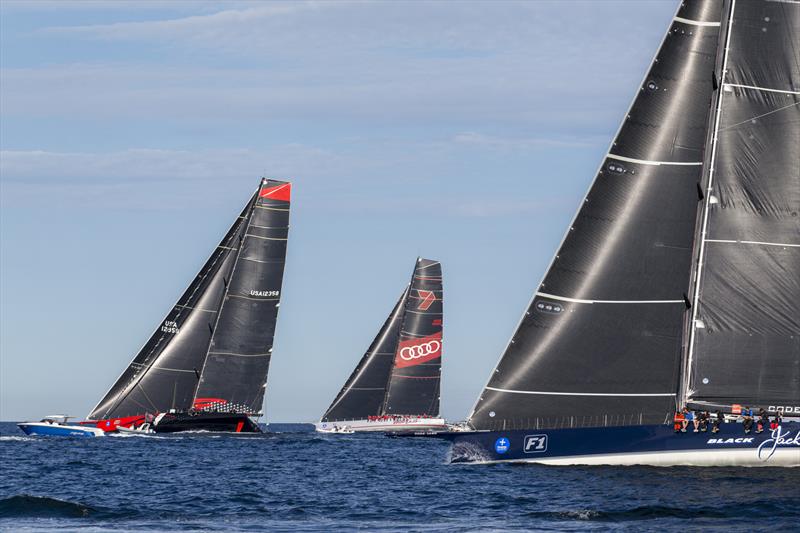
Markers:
<point>414,385</point>
<point>601,340</point>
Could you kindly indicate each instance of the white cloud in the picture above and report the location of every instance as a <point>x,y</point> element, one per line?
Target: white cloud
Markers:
<point>472,138</point>
<point>470,62</point>
<point>278,161</point>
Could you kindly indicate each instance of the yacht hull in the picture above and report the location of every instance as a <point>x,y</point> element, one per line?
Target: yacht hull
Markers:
<point>384,425</point>
<point>653,445</point>
<point>205,421</point>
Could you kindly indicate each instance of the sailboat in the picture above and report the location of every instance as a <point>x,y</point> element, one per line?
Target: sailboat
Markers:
<point>395,386</point>
<point>678,281</point>
<point>205,366</point>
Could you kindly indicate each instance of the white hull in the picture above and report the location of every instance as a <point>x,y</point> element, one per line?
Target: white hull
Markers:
<point>396,424</point>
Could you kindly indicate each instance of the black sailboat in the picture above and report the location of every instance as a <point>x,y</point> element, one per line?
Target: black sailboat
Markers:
<point>678,281</point>
<point>395,385</point>
<point>205,367</point>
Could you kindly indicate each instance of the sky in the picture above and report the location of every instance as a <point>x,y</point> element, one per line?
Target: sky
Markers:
<point>132,133</point>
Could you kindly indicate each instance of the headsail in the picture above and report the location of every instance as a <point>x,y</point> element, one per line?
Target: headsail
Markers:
<point>364,391</point>
<point>165,373</point>
<point>745,345</point>
<point>234,375</point>
<point>600,342</point>
<point>417,371</point>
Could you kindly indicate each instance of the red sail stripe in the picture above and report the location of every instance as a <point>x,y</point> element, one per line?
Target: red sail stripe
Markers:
<point>279,192</point>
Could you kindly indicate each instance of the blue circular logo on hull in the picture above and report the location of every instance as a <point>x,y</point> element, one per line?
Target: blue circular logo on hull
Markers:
<point>501,445</point>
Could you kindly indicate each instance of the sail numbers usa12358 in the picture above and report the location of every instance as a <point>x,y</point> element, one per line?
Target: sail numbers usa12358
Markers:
<point>265,293</point>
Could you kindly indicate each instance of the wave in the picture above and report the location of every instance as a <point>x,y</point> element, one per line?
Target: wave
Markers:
<point>650,512</point>
<point>27,506</point>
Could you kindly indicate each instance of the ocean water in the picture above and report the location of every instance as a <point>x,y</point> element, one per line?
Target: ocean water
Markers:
<point>292,479</point>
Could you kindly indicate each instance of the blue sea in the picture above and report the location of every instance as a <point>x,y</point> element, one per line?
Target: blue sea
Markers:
<point>292,479</point>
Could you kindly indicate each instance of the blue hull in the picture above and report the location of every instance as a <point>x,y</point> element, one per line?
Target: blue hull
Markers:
<point>56,430</point>
<point>656,445</point>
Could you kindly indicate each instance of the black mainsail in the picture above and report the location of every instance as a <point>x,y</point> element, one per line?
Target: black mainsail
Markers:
<point>417,371</point>
<point>745,343</point>
<point>601,341</point>
<point>400,373</point>
<point>211,352</point>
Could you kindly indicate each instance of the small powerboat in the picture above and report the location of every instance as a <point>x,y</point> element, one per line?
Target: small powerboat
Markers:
<point>143,429</point>
<point>58,426</point>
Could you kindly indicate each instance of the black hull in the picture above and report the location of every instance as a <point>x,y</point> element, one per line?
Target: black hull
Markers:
<point>212,422</point>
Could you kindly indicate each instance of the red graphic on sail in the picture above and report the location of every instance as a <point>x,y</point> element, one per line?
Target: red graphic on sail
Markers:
<point>426,299</point>
<point>208,404</point>
<point>417,351</point>
<point>279,192</point>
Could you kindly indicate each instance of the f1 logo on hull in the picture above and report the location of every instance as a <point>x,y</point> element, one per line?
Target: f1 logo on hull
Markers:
<point>535,444</point>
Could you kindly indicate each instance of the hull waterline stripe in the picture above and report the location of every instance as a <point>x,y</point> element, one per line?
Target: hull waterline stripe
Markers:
<point>756,88</point>
<point>579,301</point>
<point>548,393</point>
<point>655,163</point>
<point>716,457</point>
<point>696,22</point>
<point>784,244</point>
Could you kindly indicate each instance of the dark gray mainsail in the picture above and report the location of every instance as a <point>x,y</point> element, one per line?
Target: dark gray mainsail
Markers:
<point>413,388</point>
<point>745,343</point>
<point>364,391</point>
<point>601,341</point>
<point>165,373</point>
<point>234,376</point>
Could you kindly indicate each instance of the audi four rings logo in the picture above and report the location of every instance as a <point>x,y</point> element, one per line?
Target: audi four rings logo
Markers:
<point>410,353</point>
